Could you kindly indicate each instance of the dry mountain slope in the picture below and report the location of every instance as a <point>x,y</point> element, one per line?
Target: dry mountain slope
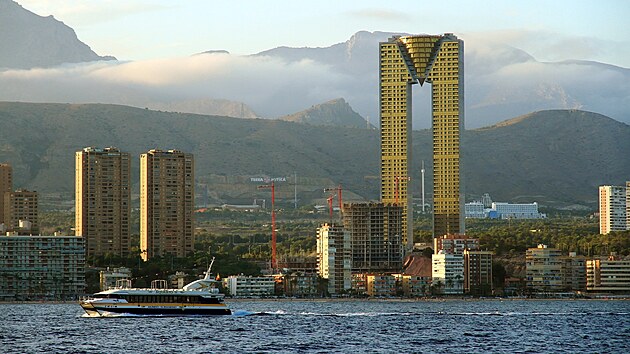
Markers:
<point>335,112</point>
<point>28,40</point>
<point>561,155</point>
<point>553,157</point>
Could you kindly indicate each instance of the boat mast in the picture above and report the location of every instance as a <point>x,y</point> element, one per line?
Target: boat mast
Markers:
<point>209,269</point>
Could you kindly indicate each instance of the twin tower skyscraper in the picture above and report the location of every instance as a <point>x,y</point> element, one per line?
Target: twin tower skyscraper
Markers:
<point>405,61</point>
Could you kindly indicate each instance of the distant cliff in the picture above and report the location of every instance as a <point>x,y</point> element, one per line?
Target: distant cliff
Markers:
<point>335,112</point>
<point>28,40</point>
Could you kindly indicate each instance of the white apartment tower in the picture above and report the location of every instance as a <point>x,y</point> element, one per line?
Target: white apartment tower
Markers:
<point>334,258</point>
<point>613,209</point>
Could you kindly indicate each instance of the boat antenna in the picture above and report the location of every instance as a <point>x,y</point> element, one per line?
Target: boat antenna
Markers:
<point>209,269</point>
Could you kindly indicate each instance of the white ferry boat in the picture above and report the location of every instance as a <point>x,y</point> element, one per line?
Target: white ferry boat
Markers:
<point>201,297</point>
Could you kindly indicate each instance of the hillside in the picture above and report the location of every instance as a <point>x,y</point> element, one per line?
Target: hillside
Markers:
<point>335,112</point>
<point>557,157</point>
<point>560,155</point>
<point>28,40</point>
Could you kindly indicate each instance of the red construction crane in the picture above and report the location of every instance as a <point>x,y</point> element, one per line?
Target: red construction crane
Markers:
<point>330,199</point>
<point>273,223</point>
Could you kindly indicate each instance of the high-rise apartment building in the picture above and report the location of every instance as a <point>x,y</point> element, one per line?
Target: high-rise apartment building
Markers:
<point>404,61</point>
<point>21,212</point>
<point>6,185</point>
<point>102,201</point>
<point>478,272</point>
<point>375,234</point>
<point>167,200</point>
<point>334,257</point>
<point>612,209</point>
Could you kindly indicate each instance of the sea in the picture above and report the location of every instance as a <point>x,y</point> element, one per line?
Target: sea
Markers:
<point>330,326</point>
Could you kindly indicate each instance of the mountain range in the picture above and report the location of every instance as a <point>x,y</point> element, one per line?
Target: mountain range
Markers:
<point>500,80</point>
<point>28,40</point>
<point>555,157</point>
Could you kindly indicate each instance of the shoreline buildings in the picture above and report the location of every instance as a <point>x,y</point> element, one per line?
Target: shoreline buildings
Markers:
<point>167,201</point>
<point>103,201</point>
<point>41,267</point>
<point>405,61</point>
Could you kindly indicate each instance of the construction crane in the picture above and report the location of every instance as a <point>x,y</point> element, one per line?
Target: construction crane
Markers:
<point>330,199</point>
<point>273,223</point>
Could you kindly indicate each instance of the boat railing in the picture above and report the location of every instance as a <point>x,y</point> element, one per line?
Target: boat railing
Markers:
<point>123,284</point>
<point>159,284</point>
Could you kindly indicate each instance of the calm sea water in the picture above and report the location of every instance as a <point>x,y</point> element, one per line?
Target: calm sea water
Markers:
<point>330,327</point>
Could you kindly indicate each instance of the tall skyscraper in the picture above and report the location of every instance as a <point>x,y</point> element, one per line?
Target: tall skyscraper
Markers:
<point>6,185</point>
<point>102,201</point>
<point>612,209</point>
<point>167,200</point>
<point>404,61</point>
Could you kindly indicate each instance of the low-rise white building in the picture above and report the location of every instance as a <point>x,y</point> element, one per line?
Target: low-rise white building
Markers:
<point>448,273</point>
<point>249,286</point>
<point>502,210</point>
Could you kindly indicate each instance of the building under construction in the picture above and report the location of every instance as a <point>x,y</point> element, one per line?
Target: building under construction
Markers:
<point>375,235</point>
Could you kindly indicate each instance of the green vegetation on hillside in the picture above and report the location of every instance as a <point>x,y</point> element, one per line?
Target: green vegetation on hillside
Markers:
<point>552,157</point>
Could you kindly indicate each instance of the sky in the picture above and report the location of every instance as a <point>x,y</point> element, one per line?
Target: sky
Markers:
<point>153,29</point>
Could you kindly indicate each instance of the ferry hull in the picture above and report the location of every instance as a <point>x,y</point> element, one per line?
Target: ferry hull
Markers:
<point>104,311</point>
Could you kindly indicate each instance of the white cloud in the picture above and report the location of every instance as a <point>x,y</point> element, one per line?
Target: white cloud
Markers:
<point>270,86</point>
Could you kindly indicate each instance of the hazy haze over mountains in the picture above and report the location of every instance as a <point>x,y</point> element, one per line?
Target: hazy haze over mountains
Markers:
<point>501,81</point>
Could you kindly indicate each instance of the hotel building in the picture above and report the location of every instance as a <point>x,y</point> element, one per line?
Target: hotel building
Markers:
<point>167,200</point>
<point>102,201</point>
<point>334,257</point>
<point>544,269</point>
<point>448,273</point>
<point>249,286</point>
<point>608,275</point>
<point>478,272</point>
<point>41,267</point>
<point>612,209</point>
<point>404,61</point>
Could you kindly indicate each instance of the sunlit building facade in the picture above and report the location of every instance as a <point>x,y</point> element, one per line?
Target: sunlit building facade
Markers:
<point>103,201</point>
<point>404,61</point>
<point>612,209</point>
<point>6,185</point>
<point>167,201</point>
<point>21,212</point>
<point>334,257</point>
